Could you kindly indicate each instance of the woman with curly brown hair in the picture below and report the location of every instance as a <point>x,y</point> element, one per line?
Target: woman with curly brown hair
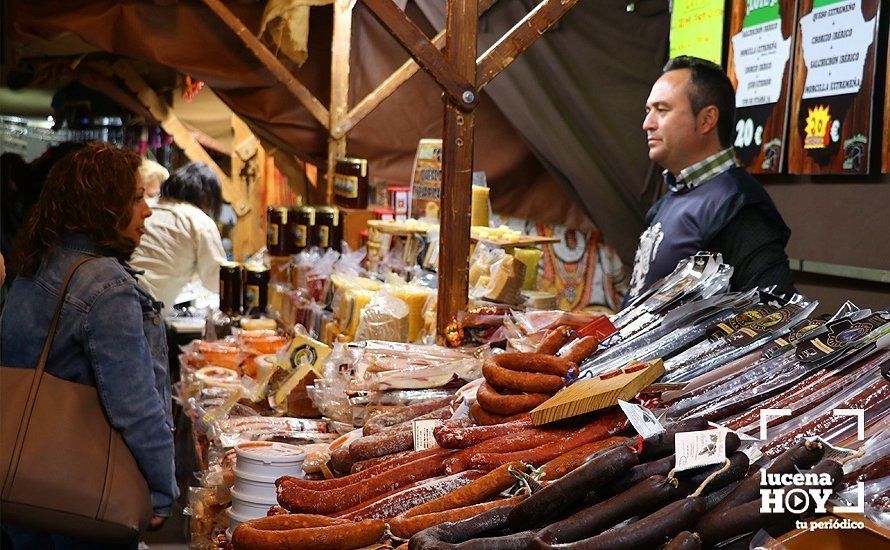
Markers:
<point>110,333</point>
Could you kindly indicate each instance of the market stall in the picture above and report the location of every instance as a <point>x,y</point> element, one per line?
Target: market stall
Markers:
<point>537,429</point>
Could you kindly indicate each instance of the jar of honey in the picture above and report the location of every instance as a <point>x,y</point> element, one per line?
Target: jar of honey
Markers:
<point>328,227</point>
<point>351,183</point>
<point>230,285</point>
<point>276,231</point>
<point>300,228</point>
<point>256,290</point>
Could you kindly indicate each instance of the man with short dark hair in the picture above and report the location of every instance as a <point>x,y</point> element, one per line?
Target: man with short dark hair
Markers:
<point>712,203</point>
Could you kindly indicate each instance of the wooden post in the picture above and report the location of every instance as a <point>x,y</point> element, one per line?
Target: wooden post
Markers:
<point>457,163</point>
<point>249,168</point>
<point>340,46</point>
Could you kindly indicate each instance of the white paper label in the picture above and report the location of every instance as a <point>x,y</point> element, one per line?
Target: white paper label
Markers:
<point>835,39</point>
<point>423,434</point>
<point>754,453</point>
<point>694,449</point>
<point>760,53</point>
<point>641,418</point>
<point>833,452</point>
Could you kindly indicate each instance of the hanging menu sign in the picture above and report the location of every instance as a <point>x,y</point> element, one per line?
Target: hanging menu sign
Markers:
<point>834,79</point>
<point>760,50</point>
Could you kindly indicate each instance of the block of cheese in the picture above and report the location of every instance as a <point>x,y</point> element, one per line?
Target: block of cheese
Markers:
<point>531,257</point>
<point>536,299</point>
<point>415,296</point>
<point>505,285</point>
<point>357,298</point>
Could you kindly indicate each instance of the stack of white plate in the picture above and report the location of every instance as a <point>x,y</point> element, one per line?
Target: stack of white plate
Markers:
<point>258,465</point>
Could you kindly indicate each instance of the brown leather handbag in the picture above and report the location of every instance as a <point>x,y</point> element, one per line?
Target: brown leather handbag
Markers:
<point>65,469</point>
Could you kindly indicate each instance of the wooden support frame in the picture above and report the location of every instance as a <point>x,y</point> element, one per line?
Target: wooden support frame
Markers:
<point>340,49</point>
<point>271,62</point>
<point>183,138</point>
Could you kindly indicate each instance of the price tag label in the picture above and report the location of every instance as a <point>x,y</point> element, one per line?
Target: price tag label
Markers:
<point>742,436</point>
<point>695,449</point>
<point>833,452</point>
<point>753,452</point>
<point>641,418</point>
<point>423,434</point>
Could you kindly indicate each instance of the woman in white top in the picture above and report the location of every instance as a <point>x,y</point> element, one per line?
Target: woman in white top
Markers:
<point>181,241</point>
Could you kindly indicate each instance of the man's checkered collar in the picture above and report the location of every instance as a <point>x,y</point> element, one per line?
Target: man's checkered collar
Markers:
<point>700,172</point>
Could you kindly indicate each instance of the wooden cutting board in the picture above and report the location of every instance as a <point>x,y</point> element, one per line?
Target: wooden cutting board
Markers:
<point>593,394</point>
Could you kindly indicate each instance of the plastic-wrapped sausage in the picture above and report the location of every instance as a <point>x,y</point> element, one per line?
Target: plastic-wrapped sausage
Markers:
<point>571,488</point>
<point>403,414</point>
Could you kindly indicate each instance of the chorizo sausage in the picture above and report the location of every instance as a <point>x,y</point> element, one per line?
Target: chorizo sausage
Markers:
<point>506,404</point>
<point>533,382</point>
<point>248,536</point>
<point>539,455</point>
<point>485,418</point>
<point>581,349</point>
<point>535,363</point>
<point>480,490</point>
<point>403,414</point>
<point>451,437</point>
<point>523,439</point>
<point>337,482</point>
<point>555,339</point>
<point>299,499</point>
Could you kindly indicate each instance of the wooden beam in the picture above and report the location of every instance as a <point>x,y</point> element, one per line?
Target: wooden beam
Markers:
<point>386,88</point>
<point>457,87</point>
<point>181,134</point>
<point>519,38</point>
<point>457,166</point>
<point>340,46</point>
<point>271,62</point>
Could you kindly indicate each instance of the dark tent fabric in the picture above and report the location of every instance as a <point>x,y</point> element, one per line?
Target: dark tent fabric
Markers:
<point>572,97</point>
<point>564,104</point>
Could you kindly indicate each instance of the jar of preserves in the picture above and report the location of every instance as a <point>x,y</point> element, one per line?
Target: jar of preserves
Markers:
<point>256,290</point>
<point>300,228</point>
<point>351,183</point>
<point>328,227</point>
<point>230,284</point>
<point>276,231</point>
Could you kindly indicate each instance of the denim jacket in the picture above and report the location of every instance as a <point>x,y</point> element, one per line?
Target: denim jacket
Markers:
<point>110,336</point>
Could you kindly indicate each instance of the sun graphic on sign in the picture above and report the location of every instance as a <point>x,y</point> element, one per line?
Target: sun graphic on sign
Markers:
<point>818,123</point>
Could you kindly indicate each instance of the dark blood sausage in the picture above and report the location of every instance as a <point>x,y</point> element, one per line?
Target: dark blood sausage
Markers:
<point>276,533</point>
<point>801,457</point>
<point>403,414</point>
<point>684,541</point>
<point>662,444</point>
<point>582,349</point>
<point>571,488</point>
<point>516,541</point>
<point>534,363</point>
<point>460,438</point>
<point>492,520</point>
<point>650,532</point>
<point>534,382</point>
<point>658,467</point>
<point>555,339</point>
<point>299,499</point>
<point>485,418</point>
<point>640,500</point>
<point>508,403</point>
<point>723,524</point>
